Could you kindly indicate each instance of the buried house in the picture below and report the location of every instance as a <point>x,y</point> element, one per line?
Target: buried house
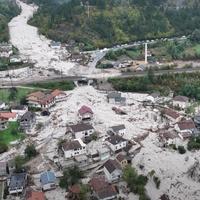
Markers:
<point>85,113</point>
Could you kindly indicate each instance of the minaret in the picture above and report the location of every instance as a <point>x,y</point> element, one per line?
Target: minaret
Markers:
<point>146,54</point>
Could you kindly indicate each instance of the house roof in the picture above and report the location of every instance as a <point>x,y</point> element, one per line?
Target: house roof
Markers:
<point>35,195</point>
<point>81,127</point>
<point>57,92</point>
<point>181,98</point>
<point>117,128</point>
<point>186,125</point>
<point>19,107</point>
<point>85,109</point>
<point>75,189</point>
<point>37,94</point>
<point>171,113</point>
<point>71,145</point>
<point>28,116</point>
<point>7,115</point>
<point>102,188</point>
<point>112,165</point>
<point>47,177</point>
<point>155,94</point>
<point>120,157</point>
<point>114,95</point>
<point>17,181</point>
<point>40,97</point>
<point>115,139</point>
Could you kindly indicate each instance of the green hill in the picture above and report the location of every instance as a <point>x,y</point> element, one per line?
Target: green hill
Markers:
<point>109,22</point>
<point>8,9</point>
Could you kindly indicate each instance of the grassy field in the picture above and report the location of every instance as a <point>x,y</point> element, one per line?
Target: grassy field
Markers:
<point>6,96</point>
<point>62,85</point>
<point>11,133</point>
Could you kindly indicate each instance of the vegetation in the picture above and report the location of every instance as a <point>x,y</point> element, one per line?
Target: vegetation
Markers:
<point>14,94</point>
<point>182,84</point>
<point>70,177</point>
<point>156,181</point>
<point>30,151</point>
<point>194,143</point>
<point>62,85</point>
<point>181,149</point>
<point>8,9</point>
<point>10,134</point>
<point>135,182</point>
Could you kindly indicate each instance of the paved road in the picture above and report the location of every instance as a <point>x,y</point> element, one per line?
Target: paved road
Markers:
<point>76,78</point>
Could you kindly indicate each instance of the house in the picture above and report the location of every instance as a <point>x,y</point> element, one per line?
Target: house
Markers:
<point>73,148</point>
<point>118,130</point>
<point>116,98</point>
<point>55,45</point>
<point>112,170</point>
<point>104,153</point>
<point>19,109</point>
<point>27,121</point>
<point>48,180</point>
<point>185,127</point>
<point>101,189</point>
<point>181,102</point>
<point>81,130</point>
<point>171,115</point>
<point>40,100</point>
<point>59,95</point>
<point>123,160</point>
<point>17,183</point>
<point>3,171</point>
<point>35,195</point>
<point>8,116</point>
<point>85,113</point>
<point>116,143</point>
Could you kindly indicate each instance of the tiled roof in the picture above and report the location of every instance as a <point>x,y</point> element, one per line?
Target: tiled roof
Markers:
<point>47,177</point>
<point>112,165</point>
<point>35,195</point>
<point>115,139</point>
<point>171,113</point>
<point>7,115</point>
<point>57,92</point>
<point>117,128</point>
<point>81,127</point>
<point>181,98</point>
<point>17,181</point>
<point>186,125</point>
<point>71,145</point>
<point>85,109</point>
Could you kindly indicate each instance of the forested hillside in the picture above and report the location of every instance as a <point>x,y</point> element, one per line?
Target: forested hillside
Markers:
<point>8,9</point>
<point>108,22</point>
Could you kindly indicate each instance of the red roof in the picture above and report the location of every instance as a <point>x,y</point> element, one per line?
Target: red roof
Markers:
<point>7,115</point>
<point>171,113</point>
<point>75,189</point>
<point>35,195</point>
<point>84,109</point>
<point>57,92</point>
<point>186,125</point>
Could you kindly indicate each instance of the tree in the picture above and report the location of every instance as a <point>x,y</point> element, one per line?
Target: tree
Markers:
<point>70,177</point>
<point>19,162</point>
<point>3,147</point>
<point>30,151</point>
<point>12,94</point>
<point>181,149</point>
<point>195,36</point>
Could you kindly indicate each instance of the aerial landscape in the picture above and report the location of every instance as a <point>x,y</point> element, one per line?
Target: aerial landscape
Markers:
<point>100,99</point>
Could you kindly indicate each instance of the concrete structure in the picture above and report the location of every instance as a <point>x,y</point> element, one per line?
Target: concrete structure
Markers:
<point>19,109</point>
<point>116,98</point>
<point>73,148</point>
<point>112,170</point>
<point>48,180</point>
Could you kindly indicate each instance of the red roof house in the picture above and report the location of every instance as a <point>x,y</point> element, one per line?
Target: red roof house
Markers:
<point>85,113</point>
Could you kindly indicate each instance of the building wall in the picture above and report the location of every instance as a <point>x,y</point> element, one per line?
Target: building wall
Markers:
<point>80,135</point>
<point>73,153</point>
<point>48,186</point>
<point>114,176</point>
<point>118,146</point>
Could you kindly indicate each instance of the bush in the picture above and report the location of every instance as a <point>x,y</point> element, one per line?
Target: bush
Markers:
<point>30,151</point>
<point>194,143</point>
<point>181,149</point>
<point>3,147</point>
<point>156,181</point>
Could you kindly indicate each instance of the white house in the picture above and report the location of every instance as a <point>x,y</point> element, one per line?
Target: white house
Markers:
<point>118,130</point>
<point>112,170</point>
<point>73,148</point>
<point>59,95</point>
<point>116,143</point>
<point>104,153</point>
<point>55,45</point>
<point>181,102</point>
<point>19,109</point>
<point>15,59</point>
<point>81,131</point>
<point>17,183</point>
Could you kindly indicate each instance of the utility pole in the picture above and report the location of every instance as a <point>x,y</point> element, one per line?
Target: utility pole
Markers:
<point>146,53</point>
<point>88,9</point>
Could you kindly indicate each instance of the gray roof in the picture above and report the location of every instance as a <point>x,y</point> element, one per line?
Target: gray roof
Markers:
<point>81,127</point>
<point>17,181</point>
<point>181,98</point>
<point>47,177</point>
<point>70,145</point>
<point>115,139</point>
<point>112,165</point>
<point>27,116</point>
<point>117,128</point>
<point>114,95</point>
<point>19,107</point>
